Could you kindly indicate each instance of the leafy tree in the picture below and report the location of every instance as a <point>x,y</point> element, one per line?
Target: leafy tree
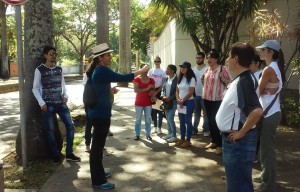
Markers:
<point>211,24</point>
<point>75,21</point>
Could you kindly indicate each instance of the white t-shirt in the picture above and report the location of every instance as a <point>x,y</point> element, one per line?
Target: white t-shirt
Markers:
<point>184,87</point>
<point>158,75</point>
<point>199,73</point>
<point>266,99</point>
<point>239,101</point>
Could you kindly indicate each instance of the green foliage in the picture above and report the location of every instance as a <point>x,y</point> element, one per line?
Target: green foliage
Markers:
<point>75,24</point>
<point>290,112</point>
<point>211,24</point>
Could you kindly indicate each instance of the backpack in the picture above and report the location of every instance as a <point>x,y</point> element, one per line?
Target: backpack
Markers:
<point>89,95</point>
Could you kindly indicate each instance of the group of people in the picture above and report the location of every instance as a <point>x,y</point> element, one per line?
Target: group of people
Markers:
<point>231,107</point>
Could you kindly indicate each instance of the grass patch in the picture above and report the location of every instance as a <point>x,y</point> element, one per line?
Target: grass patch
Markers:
<point>38,171</point>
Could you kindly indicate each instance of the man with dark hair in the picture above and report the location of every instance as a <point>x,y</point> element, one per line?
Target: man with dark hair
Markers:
<point>240,110</point>
<point>199,70</point>
<point>50,92</point>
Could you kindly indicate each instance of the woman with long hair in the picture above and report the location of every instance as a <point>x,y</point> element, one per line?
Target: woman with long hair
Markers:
<point>185,99</point>
<point>270,84</point>
<point>169,96</point>
<point>215,81</point>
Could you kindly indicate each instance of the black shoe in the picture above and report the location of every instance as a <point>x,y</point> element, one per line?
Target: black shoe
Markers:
<point>137,138</point>
<point>149,138</point>
<point>72,157</point>
<point>110,133</point>
<point>57,160</point>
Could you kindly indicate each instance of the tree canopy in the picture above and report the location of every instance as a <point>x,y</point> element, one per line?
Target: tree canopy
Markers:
<point>211,24</point>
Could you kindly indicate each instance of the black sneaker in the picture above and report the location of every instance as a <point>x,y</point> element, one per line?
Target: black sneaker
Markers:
<point>57,160</point>
<point>137,138</point>
<point>110,133</point>
<point>149,138</point>
<point>72,157</point>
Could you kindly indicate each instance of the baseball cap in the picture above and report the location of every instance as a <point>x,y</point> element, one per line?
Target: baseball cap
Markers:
<point>272,44</point>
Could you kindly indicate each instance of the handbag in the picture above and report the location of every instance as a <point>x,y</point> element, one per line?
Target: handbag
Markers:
<point>165,106</point>
<point>260,121</point>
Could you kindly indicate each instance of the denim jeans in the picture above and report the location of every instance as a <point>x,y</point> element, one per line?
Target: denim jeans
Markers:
<point>185,120</point>
<point>238,160</point>
<point>199,104</point>
<point>139,112</point>
<point>170,120</point>
<point>154,114</point>
<point>101,127</point>
<point>88,128</point>
<point>63,111</point>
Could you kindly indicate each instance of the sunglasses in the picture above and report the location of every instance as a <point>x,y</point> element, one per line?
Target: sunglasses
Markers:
<point>157,61</point>
<point>53,54</point>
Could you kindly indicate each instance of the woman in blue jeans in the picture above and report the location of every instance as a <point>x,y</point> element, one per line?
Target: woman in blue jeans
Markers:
<point>185,99</point>
<point>169,96</point>
<point>142,87</point>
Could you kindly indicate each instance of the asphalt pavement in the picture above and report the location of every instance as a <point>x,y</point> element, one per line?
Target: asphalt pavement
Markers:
<point>135,165</point>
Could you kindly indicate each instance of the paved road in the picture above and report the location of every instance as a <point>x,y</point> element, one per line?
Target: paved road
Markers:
<point>10,115</point>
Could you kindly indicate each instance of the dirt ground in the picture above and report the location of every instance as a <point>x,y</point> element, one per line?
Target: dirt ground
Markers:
<point>288,159</point>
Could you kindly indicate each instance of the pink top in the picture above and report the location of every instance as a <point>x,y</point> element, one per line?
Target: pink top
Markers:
<point>143,99</point>
<point>213,88</point>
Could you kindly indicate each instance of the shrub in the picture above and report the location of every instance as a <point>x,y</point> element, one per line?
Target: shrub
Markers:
<point>290,112</point>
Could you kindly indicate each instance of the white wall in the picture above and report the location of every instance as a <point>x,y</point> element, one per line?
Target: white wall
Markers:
<point>73,69</point>
<point>173,46</point>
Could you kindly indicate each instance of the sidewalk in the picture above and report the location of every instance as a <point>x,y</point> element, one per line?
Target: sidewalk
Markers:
<point>143,165</point>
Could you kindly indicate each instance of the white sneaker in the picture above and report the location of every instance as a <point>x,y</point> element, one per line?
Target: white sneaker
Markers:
<point>206,133</point>
<point>172,140</point>
<point>159,131</point>
<point>155,130</point>
<point>166,137</point>
<point>87,148</point>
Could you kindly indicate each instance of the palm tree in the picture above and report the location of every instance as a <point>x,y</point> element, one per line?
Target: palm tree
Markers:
<point>102,32</point>
<point>211,24</point>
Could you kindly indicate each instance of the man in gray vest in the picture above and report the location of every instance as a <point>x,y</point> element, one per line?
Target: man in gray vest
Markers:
<point>50,91</point>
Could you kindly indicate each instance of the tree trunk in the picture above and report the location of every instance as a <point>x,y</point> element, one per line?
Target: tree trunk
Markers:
<point>102,22</point>
<point>38,32</point>
<point>125,40</point>
<point>4,49</point>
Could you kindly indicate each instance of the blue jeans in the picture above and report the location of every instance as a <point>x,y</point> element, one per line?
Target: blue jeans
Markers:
<point>170,120</point>
<point>63,111</point>
<point>138,121</point>
<point>238,160</point>
<point>88,128</point>
<point>154,114</point>
<point>185,120</point>
<point>199,104</point>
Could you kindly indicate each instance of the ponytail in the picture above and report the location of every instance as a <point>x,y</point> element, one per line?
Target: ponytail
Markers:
<point>280,61</point>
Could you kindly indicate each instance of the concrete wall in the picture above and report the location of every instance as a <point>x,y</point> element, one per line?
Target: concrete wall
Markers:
<point>73,69</point>
<point>174,47</point>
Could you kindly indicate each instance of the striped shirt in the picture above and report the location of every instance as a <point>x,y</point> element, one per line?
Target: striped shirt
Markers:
<point>213,88</point>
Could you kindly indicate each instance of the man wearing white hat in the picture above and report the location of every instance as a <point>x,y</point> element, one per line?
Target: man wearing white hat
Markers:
<point>100,114</point>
